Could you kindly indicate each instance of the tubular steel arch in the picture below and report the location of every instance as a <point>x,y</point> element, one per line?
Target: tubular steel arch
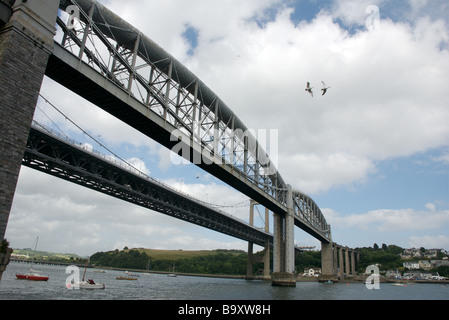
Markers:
<point>112,64</point>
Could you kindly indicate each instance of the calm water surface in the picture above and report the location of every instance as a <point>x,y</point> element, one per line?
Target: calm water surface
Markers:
<point>161,287</point>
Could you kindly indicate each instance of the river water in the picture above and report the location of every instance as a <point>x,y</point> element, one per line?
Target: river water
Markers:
<point>161,287</point>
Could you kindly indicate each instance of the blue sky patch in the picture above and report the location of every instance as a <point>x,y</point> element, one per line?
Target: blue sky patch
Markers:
<point>191,35</point>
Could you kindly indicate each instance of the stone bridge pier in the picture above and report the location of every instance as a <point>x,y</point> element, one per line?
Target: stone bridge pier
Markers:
<point>337,262</point>
<point>27,29</point>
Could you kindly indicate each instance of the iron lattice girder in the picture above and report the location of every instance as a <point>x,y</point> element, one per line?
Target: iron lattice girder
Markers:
<point>173,98</point>
<point>146,72</point>
<point>52,155</point>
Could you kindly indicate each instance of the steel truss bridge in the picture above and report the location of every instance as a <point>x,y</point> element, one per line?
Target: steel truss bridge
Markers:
<point>114,66</point>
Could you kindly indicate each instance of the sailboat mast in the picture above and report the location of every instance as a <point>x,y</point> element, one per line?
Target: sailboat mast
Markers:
<point>37,239</point>
<point>32,260</point>
<point>85,268</point>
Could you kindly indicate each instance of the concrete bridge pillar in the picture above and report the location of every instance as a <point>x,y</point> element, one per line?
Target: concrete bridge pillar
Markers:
<point>352,262</point>
<point>347,262</point>
<point>328,262</point>
<point>266,256</point>
<point>340,262</point>
<point>284,247</point>
<point>335,251</point>
<point>26,42</point>
<point>265,259</point>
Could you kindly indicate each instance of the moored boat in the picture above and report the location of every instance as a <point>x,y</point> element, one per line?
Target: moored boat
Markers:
<point>90,285</point>
<point>125,278</point>
<point>32,277</point>
<point>99,271</point>
<point>399,284</point>
<point>87,285</point>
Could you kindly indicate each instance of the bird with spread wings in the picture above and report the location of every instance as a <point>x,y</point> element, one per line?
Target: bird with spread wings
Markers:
<point>325,88</point>
<point>309,89</point>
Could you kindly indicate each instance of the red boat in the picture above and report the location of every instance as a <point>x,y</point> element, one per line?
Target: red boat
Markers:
<point>32,277</point>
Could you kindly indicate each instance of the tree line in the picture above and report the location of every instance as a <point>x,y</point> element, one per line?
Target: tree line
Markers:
<point>235,262</point>
<point>221,262</point>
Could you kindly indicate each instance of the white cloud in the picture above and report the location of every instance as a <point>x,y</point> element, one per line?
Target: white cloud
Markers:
<point>138,165</point>
<point>383,103</point>
<point>431,207</point>
<point>430,242</point>
<point>354,12</point>
<point>316,172</point>
<point>390,220</point>
<point>443,158</point>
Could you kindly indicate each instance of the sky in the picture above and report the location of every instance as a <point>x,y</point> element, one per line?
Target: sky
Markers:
<point>373,152</point>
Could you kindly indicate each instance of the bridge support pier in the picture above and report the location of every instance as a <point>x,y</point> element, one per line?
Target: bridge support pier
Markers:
<point>337,262</point>
<point>283,247</point>
<point>340,263</point>
<point>266,256</point>
<point>265,259</point>
<point>328,263</point>
<point>26,42</point>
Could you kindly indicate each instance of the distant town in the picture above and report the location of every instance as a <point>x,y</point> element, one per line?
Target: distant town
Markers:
<point>396,263</point>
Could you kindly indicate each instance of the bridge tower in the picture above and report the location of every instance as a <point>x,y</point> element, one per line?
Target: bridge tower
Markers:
<point>266,253</point>
<point>283,246</point>
<point>26,42</point>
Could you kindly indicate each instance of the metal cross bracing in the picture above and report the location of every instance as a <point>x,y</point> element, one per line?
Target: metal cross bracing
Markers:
<point>110,63</point>
<point>62,158</point>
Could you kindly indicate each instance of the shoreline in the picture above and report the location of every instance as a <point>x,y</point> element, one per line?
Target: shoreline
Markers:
<point>356,279</point>
<point>352,279</point>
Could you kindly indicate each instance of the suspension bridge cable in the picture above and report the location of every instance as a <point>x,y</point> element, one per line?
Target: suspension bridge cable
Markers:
<point>260,216</point>
<point>54,123</point>
<point>90,136</point>
<point>236,205</point>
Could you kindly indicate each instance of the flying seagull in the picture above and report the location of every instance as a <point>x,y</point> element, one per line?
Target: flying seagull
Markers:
<point>324,88</point>
<point>309,89</point>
